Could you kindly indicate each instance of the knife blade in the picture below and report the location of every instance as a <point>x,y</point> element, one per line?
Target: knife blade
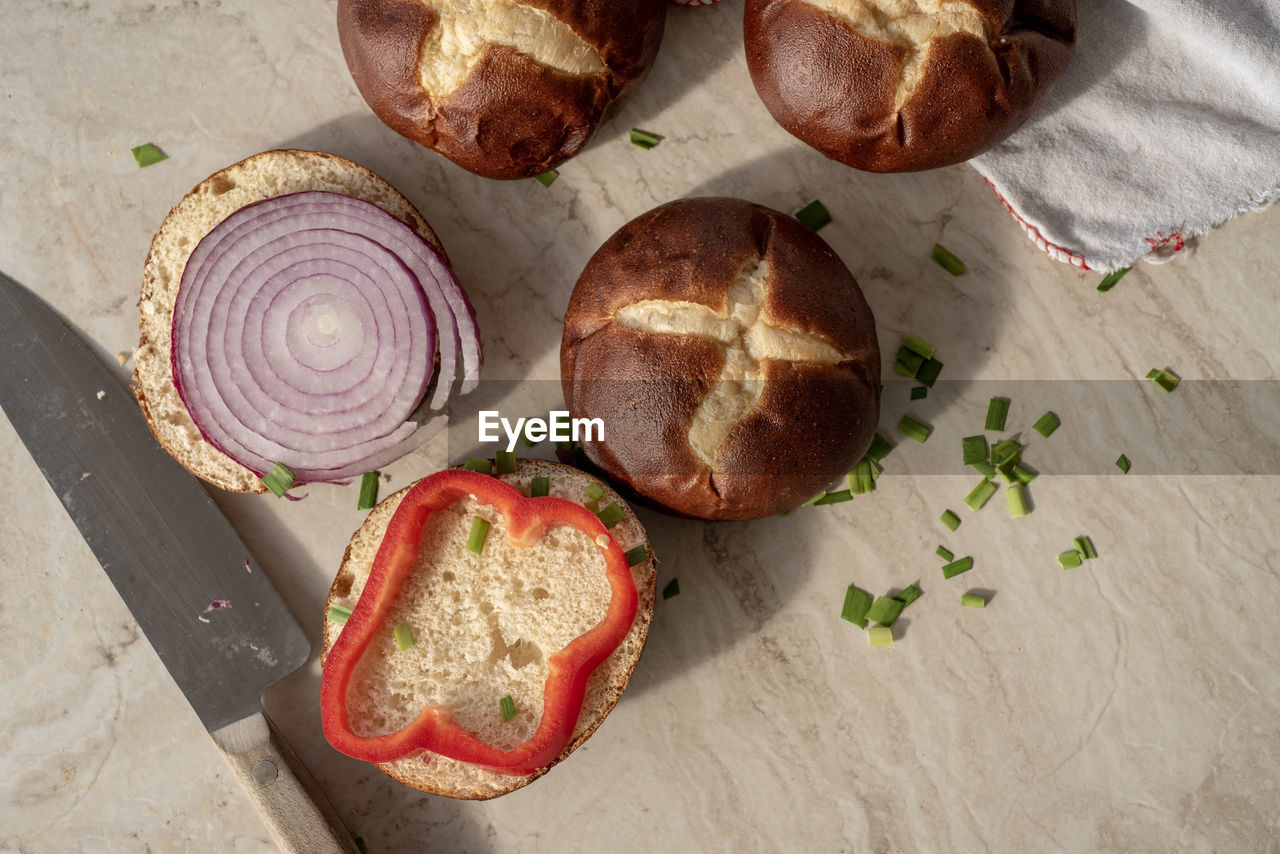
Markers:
<point>218,625</point>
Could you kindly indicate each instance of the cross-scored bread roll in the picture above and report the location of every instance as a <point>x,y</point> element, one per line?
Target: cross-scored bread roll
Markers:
<point>504,88</point>
<point>903,85</point>
<point>729,353</point>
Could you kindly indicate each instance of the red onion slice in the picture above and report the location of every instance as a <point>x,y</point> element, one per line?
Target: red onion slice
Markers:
<point>305,331</point>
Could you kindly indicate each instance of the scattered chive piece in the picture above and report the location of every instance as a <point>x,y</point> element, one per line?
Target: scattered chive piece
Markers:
<point>856,604</point>
<point>919,393</point>
<point>479,530</point>
<point>1167,380</point>
<point>278,480</point>
<point>874,467</point>
<point>404,637</point>
<point>1069,560</point>
<point>997,412</point>
<point>928,373</point>
<point>507,705</point>
<point>1017,498</point>
<point>547,178</point>
<point>1047,424</point>
<point>980,495</point>
<point>918,345</point>
<point>338,613</point>
<point>907,362</point>
<point>983,468</point>
<point>595,491</point>
<point>885,610</point>
<point>1109,281</point>
<point>880,448</point>
<point>672,589</point>
<point>1122,463</point>
<point>908,595</point>
<point>592,505</point>
<point>477,464</point>
<point>947,261</point>
<point>908,426</point>
<point>835,497</point>
<point>1023,475</point>
<point>951,520</point>
<point>644,139</point>
<point>368,491</point>
<point>814,500</point>
<point>361,846</point>
<point>505,462</point>
<point>861,480</point>
<point>956,567</point>
<point>612,515</point>
<point>540,487</point>
<point>1009,451</point>
<point>636,555</point>
<point>974,449</point>
<point>970,600</point>
<point>147,154</point>
<point>1084,545</point>
<point>880,636</point>
<point>814,215</point>
<point>946,554</point>
<point>524,437</point>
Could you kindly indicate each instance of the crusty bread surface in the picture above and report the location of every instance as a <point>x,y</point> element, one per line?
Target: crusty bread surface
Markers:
<point>484,627</point>
<point>262,176</point>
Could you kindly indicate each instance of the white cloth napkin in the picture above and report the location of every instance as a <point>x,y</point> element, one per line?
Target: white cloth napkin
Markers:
<point>1166,124</point>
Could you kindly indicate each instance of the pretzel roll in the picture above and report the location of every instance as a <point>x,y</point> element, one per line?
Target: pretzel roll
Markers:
<point>730,355</point>
<point>903,85</point>
<point>503,88</point>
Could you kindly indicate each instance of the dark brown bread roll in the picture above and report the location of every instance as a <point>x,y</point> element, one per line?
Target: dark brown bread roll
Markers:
<point>730,355</point>
<point>504,88</point>
<point>903,85</point>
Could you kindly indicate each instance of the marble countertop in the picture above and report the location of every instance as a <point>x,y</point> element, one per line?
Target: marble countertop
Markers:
<point>1130,705</point>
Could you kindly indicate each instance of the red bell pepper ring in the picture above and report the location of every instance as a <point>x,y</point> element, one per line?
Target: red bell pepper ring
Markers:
<point>433,730</point>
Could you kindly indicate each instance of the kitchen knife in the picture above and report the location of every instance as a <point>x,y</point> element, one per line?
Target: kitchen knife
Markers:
<point>211,615</point>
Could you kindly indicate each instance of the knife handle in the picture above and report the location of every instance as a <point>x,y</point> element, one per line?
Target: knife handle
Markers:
<point>295,810</point>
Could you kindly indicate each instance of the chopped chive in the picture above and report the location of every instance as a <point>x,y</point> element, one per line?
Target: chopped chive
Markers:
<point>1069,560</point>
<point>278,480</point>
<point>1109,281</point>
<point>951,520</point>
<point>479,530</point>
<point>880,448</point>
<point>814,215</point>
<point>1008,451</point>
<point>368,491</point>
<point>524,437</point>
<point>361,846</point>
<point>908,594</point>
<point>880,636</point>
<point>595,491</point>
<point>507,705</point>
<point>929,371</point>
<point>956,567</point>
<point>1167,380</point>
<point>540,487</point>
<point>643,139</point>
<point>592,505</point>
<point>974,449</point>
<point>1046,424</point>
<point>885,610</point>
<point>861,480</point>
<point>947,261</point>
<point>1084,545</point>
<point>980,495</point>
<point>505,462</point>
<point>970,600</point>
<point>147,154</point>
<point>1016,495</point>
<point>637,555</point>
<point>547,178</point>
<point>338,613</point>
<point>672,589</point>
<point>919,393</point>
<point>814,500</point>
<point>404,637</point>
<point>918,345</point>
<point>997,412</point>
<point>908,426</point>
<point>983,468</point>
<point>946,554</point>
<point>477,464</point>
<point>856,604</point>
<point>835,497</point>
<point>907,362</point>
<point>1122,463</point>
<point>612,515</point>
<point>875,468</point>
<point>1023,475</point>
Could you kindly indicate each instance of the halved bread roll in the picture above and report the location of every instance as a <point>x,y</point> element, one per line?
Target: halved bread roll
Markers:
<point>484,628</point>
